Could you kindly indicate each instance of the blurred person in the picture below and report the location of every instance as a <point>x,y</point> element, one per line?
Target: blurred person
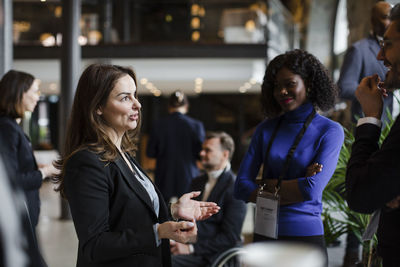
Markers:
<point>360,61</point>
<point>175,141</point>
<point>222,231</point>
<point>18,244</point>
<point>12,253</point>
<point>20,93</point>
<point>372,178</point>
<point>298,147</point>
<point>119,215</point>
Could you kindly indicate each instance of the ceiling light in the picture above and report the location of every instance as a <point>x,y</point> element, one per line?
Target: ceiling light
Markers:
<point>195,36</point>
<point>250,25</point>
<point>143,81</point>
<point>195,23</point>
<point>198,81</point>
<point>195,10</point>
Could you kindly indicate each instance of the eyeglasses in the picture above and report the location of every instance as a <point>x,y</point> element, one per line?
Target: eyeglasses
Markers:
<point>387,43</point>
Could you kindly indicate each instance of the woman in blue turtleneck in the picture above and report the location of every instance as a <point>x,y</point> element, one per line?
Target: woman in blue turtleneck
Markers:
<point>295,83</point>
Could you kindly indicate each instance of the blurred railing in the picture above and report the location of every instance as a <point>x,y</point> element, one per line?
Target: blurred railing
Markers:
<point>182,25</point>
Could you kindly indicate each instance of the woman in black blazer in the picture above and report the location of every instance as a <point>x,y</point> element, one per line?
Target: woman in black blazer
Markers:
<point>19,92</point>
<point>119,215</point>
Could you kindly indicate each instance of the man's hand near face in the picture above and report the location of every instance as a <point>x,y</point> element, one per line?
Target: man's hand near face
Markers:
<point>371,96</point>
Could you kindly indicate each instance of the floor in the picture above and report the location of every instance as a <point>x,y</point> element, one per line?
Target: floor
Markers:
<point>59,242</point>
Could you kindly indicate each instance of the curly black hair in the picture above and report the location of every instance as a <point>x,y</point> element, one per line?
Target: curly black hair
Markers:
<point>321,91</point>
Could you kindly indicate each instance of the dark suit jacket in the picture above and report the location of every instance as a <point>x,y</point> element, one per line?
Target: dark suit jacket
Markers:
<point>113,214</point>
<point>21,163</point>
<point>223,230</point>
<point>360,61</point>
<point>175,142</point>
<point>373,179</point>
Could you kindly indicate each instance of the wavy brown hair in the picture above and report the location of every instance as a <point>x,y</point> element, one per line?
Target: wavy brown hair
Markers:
<point>321,91</point>
<point>88,130</point>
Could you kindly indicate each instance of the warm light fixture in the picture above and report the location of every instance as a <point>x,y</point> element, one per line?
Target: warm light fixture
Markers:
<point>250,25</point>
<point>143,81</point>
<point>195,36</point>
<point>149,86</point>
<point>53,86</point>
<point>195,10</point>
<point>58,12</point>
<point>195,23</point>
<point>47,39</point>
<point>168,18</point>
<point>82,40</point>
<point>202,12</point>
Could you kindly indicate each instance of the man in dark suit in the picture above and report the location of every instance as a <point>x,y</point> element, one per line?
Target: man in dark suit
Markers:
<point>223,230</point>
<point>373,173</point>
<point>360,61</point>
<point>175,141</point>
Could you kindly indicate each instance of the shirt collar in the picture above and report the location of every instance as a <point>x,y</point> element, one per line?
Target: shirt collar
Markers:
<point>217,173</point>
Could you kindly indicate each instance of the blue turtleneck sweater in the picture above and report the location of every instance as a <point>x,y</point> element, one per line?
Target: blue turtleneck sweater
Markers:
<point>321,143</point>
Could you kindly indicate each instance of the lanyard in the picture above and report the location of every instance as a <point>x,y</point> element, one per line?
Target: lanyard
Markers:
<point>291,150</point>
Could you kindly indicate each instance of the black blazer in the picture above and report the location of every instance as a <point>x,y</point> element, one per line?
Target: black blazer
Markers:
<point>373,179</point>
<point>112,214</point>
<point>223,230</point>
<point>21,163</point>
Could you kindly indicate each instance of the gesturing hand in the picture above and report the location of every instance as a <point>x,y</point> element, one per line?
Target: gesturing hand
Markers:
<point>188,209</point>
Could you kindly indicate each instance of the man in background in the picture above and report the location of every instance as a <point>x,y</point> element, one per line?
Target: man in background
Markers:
<point>175,142</point>
<point>223,230</point>
<point>373,171</point>
<point>360,61</point>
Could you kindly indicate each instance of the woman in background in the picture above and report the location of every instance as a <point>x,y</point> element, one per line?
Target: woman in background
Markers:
<point>119,215</point>
<point>19,93</point>
<point>295,84</point>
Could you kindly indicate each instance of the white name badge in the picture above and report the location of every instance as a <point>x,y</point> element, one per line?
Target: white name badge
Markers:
<point>267,208</point>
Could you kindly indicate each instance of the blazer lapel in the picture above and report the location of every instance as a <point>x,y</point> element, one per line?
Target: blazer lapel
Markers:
<point>134,184</point>
<point>199,184</point>
<point>163,207</point>
<point>219,187</point>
